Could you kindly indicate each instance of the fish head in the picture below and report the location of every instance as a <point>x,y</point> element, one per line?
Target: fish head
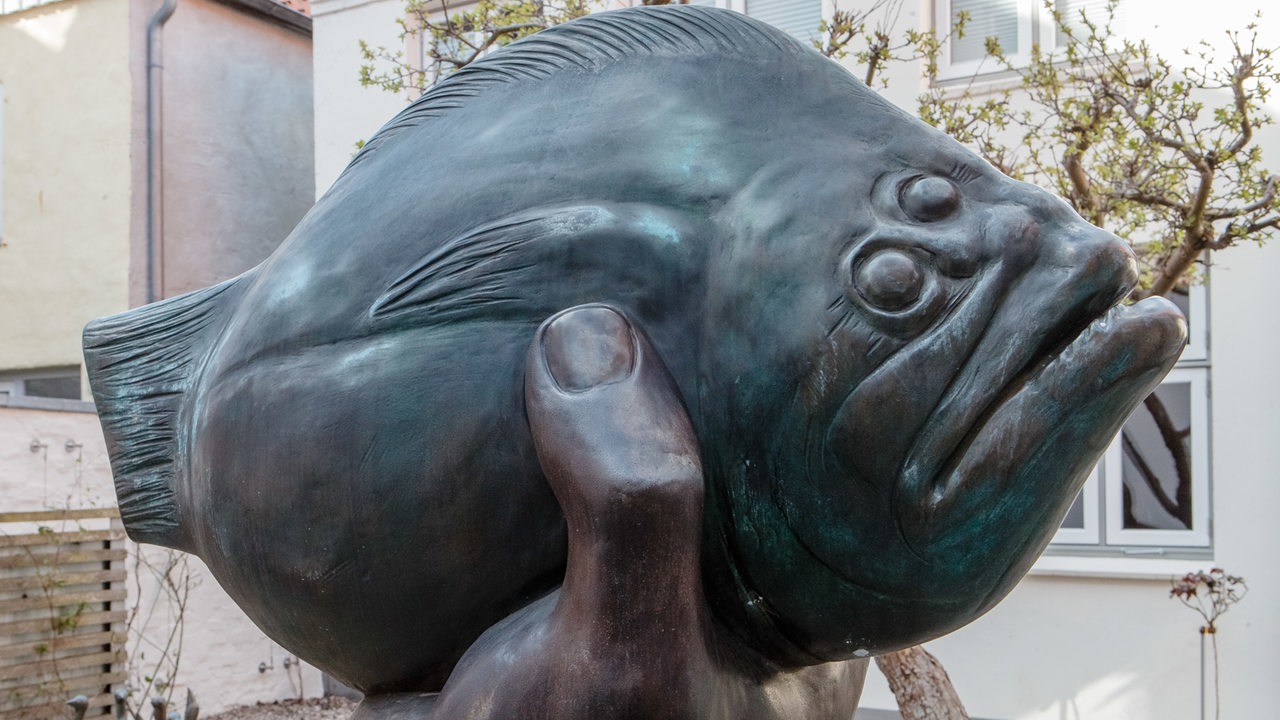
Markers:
<point>910,362</point>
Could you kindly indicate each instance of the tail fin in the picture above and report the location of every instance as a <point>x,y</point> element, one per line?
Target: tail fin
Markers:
<point>141,365</point>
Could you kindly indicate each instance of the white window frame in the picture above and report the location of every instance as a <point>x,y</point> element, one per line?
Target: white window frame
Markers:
<point>1049,32</point>
<point>1035,26</point>
<point>734,5</point>
<point>13,382</point>
<point>416,46</point>
<point>1103,533</point>
<point>743,6</point>
<point>1198,535</point>
<point>1029,16</point>
<point>1197,349</point>
<point>8,7</point>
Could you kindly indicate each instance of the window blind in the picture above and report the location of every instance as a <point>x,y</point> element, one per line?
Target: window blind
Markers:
<point>801,18</point>
<point>987,18</point>
<point>1096,10</point>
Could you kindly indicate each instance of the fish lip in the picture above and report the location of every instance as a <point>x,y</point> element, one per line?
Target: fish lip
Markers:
<point>944,440</point>
<point>1071,362</point>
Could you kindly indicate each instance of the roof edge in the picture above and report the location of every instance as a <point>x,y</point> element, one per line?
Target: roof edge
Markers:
<point>274,12</point>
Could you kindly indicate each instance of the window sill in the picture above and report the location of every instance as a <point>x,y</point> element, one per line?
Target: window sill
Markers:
<point>29,402</point>
<point>1138,568</point>
<point>955,86</point>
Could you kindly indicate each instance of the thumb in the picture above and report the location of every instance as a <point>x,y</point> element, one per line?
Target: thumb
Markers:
<point>606,416</point>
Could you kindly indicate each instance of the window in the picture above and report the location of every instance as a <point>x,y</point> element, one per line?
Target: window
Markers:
<point>800,18</point>
<point>1017,25</point>
<point>59,383</point>
<point>1008,21</point>
<point>1150,493</point>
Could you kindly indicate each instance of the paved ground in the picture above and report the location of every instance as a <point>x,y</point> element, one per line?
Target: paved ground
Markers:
<point>329,708</point>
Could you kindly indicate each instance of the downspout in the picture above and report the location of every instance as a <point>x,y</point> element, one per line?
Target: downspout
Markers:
<point>155,150</point>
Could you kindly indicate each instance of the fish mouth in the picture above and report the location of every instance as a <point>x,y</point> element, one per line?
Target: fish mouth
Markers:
<point>1082,389</point>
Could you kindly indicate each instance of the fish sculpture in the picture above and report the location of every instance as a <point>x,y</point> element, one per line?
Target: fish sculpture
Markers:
<point>898,364</point>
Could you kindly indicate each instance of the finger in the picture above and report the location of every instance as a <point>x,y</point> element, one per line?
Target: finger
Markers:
<point>606,417</point>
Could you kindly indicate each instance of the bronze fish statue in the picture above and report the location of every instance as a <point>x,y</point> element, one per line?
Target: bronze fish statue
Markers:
<point>899,364</point>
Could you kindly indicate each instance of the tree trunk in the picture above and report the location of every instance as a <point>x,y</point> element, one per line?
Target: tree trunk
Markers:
<point>921,686</point>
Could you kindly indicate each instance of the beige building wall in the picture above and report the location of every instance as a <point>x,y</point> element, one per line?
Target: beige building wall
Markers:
<point>237,132</point>
<point>64,258</point>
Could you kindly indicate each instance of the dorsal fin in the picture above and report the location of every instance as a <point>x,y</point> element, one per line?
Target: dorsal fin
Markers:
<point>593,41</point>
<point>141,364</point>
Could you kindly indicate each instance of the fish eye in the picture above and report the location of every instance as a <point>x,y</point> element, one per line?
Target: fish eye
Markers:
<point>889,280</point>
<point>928,198</point>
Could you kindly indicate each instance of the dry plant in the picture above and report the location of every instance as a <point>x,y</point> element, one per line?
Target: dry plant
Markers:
<point>1210,594</point>
<point>165,577</point>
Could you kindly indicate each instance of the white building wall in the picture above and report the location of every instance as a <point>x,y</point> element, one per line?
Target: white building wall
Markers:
<point>346,113</point>
<point>1092,640</point>
<point>54,459</point>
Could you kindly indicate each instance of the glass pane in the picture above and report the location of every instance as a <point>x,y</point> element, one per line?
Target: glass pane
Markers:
<point>1075,516</point>
<point>1072,12</point>
<point>801,18</point>
<point>55,387</point>
<point>1156,466</point>
<point>987,18</point>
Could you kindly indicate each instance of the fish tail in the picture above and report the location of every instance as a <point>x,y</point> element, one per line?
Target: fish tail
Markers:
<point>141,365</point>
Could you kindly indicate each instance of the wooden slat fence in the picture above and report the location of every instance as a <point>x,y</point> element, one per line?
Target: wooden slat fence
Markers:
<point>62,612</point>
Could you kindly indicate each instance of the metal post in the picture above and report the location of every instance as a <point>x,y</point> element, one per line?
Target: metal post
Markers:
<point>1203,635</point>
<point>79,704</point>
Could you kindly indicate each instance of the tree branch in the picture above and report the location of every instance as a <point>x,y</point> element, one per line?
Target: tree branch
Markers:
<point>1149,199</point>
<point>1268,197</point>
<point>921,685</point>
<point>1080,180</point>
<point>1243,71</point>
<point>1127,104</point>
<point>1170,272</point>
<point>1270,223</point>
